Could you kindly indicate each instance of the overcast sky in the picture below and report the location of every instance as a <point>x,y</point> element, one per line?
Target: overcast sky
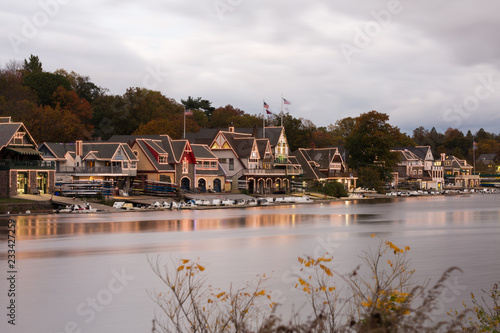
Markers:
<point>425,63</point>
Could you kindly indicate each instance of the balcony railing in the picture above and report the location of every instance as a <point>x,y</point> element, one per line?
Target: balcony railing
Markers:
<point>294,171</point>
<point>270,172</point>
<point>40,165</point>
<point>91,170</point>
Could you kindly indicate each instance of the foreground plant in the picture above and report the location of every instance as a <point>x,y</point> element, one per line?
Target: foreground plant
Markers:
<point>190,305</point>
<point>486,311</point>
<point>378,296</point>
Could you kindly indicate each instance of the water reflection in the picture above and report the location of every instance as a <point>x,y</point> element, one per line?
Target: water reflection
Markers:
<point>71,256</point>
<point>52,226</point>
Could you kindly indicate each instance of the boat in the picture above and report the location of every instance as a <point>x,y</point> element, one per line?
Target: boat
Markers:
<point>77,209</point>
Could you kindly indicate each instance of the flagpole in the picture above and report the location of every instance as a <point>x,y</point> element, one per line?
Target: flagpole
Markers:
<point>184,123</point>
<point>263,119</point>
<point>281,110</point>
<point>474,155</point>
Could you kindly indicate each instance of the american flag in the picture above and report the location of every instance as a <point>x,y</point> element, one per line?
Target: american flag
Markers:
<point>286,102</point>
<point>266,106</point>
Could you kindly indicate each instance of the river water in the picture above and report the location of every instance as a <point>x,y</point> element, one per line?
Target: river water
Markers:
<point>91,273</point>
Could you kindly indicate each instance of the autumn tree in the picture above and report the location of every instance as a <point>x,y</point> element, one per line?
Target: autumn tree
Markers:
<point>80,107</point>
<point>44,85</point>
<point>369,145</point>
<point>142,105</point>
<point>173,126</point>
<point>82,85</point>
<point>341,129</point>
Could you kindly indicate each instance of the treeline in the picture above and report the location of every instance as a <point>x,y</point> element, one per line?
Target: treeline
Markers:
<point>64,106</point>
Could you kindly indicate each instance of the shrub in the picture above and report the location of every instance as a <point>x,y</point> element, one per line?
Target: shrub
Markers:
<point>378,296</point>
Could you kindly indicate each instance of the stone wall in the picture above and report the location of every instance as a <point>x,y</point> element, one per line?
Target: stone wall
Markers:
<point>4,183</point>
<point>13,183</point>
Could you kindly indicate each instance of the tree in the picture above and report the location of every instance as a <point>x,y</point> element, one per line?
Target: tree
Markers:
<point>108,116</point>
<point>80,107</point>
<point>140,106</point>
<point>173,126</point>
<point>33,65</point>
<point>332,188</point>
<point>421,136</point>
<point>199,104</point>
<point>341,129</point>
<point>82,85</point>
<point>369,145</point>
<point>223,116</point>
<point>298,133</point>
<point>64,126</point>
<point>44,85</point>
<point>322,138</point>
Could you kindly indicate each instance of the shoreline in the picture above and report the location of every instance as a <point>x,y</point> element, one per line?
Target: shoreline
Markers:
<point>49,203</point>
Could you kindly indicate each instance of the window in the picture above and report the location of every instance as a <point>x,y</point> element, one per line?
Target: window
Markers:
<point>18,138</point>
<point>165,178</point>
<point>222,160</point>
<point>136,153</point>
<point>125,165</point>
<point>185,166</point>
<point>213,165</point>
<point>133,165</point>
<point>162,159</point>
<point>231,164</point>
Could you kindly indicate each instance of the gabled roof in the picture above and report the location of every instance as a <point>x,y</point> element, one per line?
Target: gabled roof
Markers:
<point>303,158</point>
<point>57,150</point>
<point>202,152</point>
<point>7,131</point>
<point>456,162</point>
<point>322,156</point>
<point>178,148</point>
<point>204,136</point>
<point>243,146</point>
<point>129,139</point>
<point>406,155</point>
<point>263,146</point>
<point>272,133</point>
<point>488,158</point>
<point>420,151</point>
<point>151,147</point>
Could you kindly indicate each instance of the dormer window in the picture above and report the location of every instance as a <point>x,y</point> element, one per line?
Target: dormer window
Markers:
<point>18,138</point>
<point>162,158</point>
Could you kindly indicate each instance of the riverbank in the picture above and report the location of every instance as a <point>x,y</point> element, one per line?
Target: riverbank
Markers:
<point>27,204</point>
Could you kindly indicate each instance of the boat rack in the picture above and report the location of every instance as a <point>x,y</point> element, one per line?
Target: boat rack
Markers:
<point>85,188</point>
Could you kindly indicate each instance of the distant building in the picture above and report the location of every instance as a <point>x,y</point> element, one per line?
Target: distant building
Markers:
<point>489,163</point>
<point>417,169</point>
<point>458,173</point>
<point>254,159</point>
<point>22,168</point>
<point>323,164</point>
<point>92,161</point>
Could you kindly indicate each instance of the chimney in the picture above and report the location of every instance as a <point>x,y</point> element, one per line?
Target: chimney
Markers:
<point>5,120</point>
<point>231,127</point>
<point>254,131</point>
<point>443,156</point>
<point>79,148</point>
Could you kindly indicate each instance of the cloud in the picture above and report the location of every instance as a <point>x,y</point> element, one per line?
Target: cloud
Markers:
<point>418,63</point>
